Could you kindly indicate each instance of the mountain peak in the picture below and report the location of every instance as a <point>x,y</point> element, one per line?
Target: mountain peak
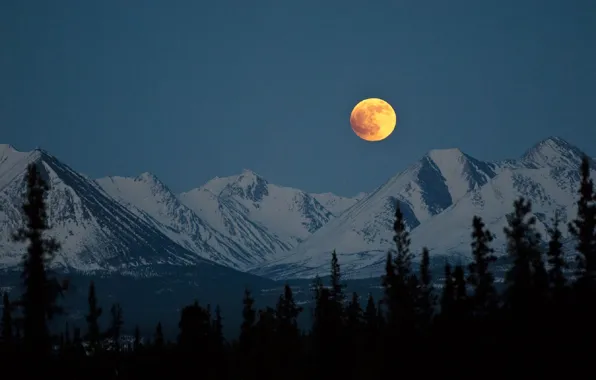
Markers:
<point>443,155</point>
<point>554,142</point>
<point>250,175</point>
<point>147,177</point>
<point>248,172</point>
<point>552,152</point>
<point>248,178</point>
<point>249,185</point>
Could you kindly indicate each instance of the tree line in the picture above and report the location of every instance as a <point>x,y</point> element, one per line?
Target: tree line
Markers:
<point>460,325</point>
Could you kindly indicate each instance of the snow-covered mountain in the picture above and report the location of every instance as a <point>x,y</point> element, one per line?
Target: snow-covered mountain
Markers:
<point>117,222</point>
<point>266,219</point>
<point>95,231</point>
<point>439,195</point>
<point>335,203</point>
<point>240,221</point>
<point>246,223</point>
<point>152,201</point>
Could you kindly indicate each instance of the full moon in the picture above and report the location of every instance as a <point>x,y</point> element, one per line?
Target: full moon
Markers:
<point>373,119</point>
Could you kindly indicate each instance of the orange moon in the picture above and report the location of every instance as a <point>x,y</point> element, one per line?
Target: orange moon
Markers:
<point>373,119</point>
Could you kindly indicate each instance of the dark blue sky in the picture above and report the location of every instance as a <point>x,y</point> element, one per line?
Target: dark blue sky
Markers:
<point>193,89</point>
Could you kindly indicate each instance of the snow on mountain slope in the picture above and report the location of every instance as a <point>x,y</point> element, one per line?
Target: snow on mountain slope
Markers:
<point>12,163</point>
<point>335,203</point>
<point>264,218</point>
<point>95,231</point>
<point>150,199</point>
<point>554,152</point>
<point>439,195</point>
<point>449,232</point>
<point>423,190</point>
<point>244,222</point>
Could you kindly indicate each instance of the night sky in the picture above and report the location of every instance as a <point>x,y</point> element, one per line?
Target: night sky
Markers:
<point>190,90</point>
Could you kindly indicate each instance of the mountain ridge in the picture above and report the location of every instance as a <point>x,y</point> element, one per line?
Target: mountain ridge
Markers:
<point>363,235</point>
<point>249,224</point>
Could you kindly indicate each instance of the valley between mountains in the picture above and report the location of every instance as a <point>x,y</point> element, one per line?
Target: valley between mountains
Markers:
<point>139,227</point>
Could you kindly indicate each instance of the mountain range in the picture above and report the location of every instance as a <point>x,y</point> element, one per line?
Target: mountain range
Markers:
<point>138,226</point>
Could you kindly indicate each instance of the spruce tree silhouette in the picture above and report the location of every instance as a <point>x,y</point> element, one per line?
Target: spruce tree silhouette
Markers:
<point>526,282</point>
<point>444,323</point>
<point>557,262</point>
<point>354,315</point>
<point>337,287</point>
<point>158,340</point>
<point>288,334</point>
<point>38,301</point>
<point>400,288</point>
<point>195,329</point>
<point>370,314</point>
<point>336,310</point>
<point>425,297</point>
<point>523,247</point>
<point>484,297</point>
<point>329,317</point>
<point>115,329</point>
<point>217,327</point>
<point>93,336</point>
<point>461,301</point>
<point>7,328</point>
<point>583,228</point>
<point>249,318</point>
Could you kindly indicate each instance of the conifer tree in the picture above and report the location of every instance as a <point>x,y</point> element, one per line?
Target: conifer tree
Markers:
<point>116,326</point>
<point>354,315</point>
<point>388,280</point>
<point>399,282</point>
<point>318,291</point>
<point>355,330</point>
<point>324,329</point>
<point>445,322</point>
<point>484,298</point>
<point>265,329</point>
<point>448,294</point>
<point>380,316</point>
<point>525,280</point>
<point>370,315</point>
<point>38,301</point>
<point>266,357</point>
<point>337,293</point>
<point>287,312</point>
<point>373,325</point>
<point>7,328</point>
<point>557,262</point>
<point>158,339</point>
<point>93,331</point>
<point>195,329</point>
<point>426,300</point>
<point>583,228</point>
<point>249,316</point>
<point>217,327</point>
<point>461,303</point>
